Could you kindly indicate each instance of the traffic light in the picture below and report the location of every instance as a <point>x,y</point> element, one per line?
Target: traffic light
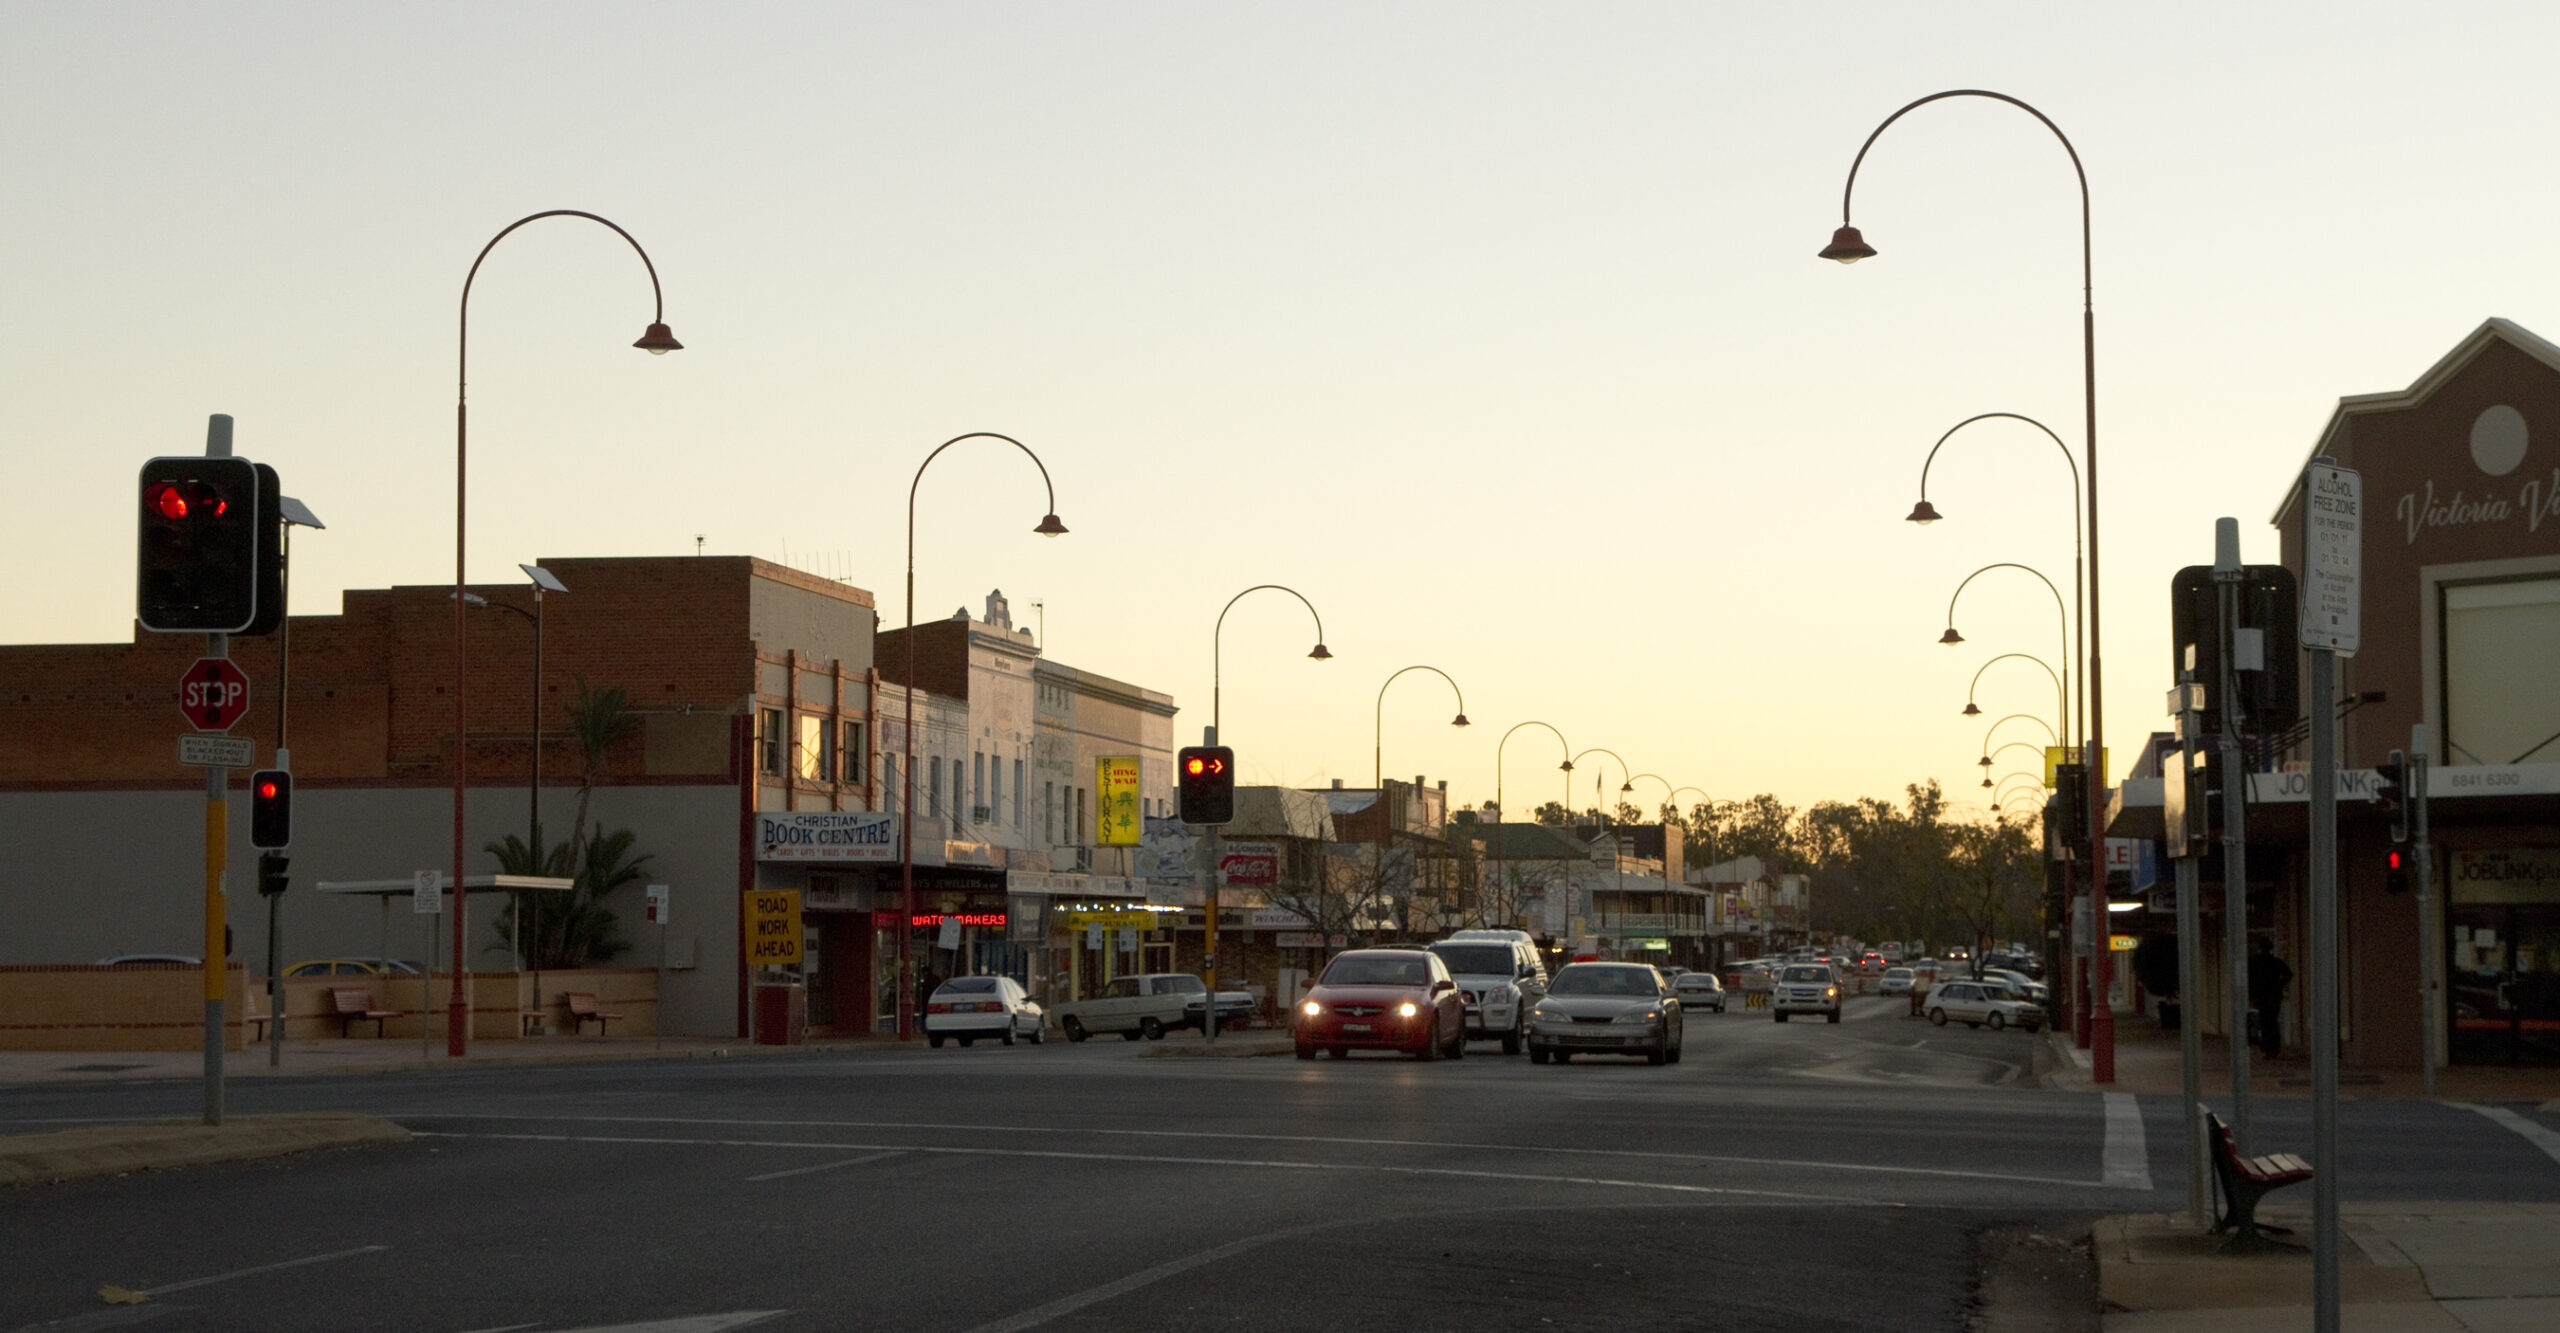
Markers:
<point>271,876</point>
<point>2391,792</point>
<point>2071,794</point>
<point>2395,871</point>
<point>1205,776</point>
<point>271,808</point>
<point>199,567</point>
<point>270,562</point>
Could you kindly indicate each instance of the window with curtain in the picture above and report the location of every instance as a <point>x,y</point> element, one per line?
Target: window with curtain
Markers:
<point>2501,656</point>
<point>813,760</point>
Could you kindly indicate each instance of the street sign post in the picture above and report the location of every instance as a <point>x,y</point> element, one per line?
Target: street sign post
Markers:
<point>2332,559</point>
<point>213,694</point>
<point>2332,615</point>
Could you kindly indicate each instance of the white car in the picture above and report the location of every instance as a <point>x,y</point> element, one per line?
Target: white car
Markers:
<point>1896,981</point>
<point>1976,1005</point>
<point>1699,990</point>
<point>972,1007</point>
<point>1499,977</point>
<point>1144,1006</point>
<point>1805,988</point>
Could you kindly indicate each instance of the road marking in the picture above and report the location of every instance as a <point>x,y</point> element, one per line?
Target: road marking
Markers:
<point>2532,1133</point>
<point>192,1283</point>
<point>1460,1145</point>
<point>2125,1162</point>
<point>824,1166</point>
<point>1276,1164</point>
<point>1041,1314</point>
<point>700,1323</point>
<point>113,1317</point>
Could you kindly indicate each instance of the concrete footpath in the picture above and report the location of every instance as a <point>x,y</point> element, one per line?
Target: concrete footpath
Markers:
<point>2481,1267</point>
<point>2147,1064</point>
<point>112,1150</point>
<point>305,1058</point>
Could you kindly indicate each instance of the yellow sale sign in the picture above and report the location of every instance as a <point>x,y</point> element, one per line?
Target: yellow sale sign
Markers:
<point>1120,822</point>
<point>773,927</point>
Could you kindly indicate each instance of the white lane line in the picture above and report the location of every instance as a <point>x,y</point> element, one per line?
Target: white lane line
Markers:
<point>1459,1145</point>
<point>2532,1133</point>
<point>192,1283</point>
<point>2125,1162</point>
<point>1265,1163</point>
<point>824,1166</point>
<point>1064,1305</point>
<point>701,1323</point>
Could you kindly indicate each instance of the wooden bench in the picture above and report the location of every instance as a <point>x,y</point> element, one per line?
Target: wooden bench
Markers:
<point>2246,1180</point>
<point>353,1004</point>
<point>253,1013</point>
<point>582,1006</point>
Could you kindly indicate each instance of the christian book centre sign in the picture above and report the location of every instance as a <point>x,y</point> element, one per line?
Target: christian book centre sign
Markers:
<point>862,837</point>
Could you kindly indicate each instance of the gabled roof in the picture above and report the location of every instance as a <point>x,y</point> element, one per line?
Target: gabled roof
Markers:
<point>2419,391</point>
<point>1525,842</point>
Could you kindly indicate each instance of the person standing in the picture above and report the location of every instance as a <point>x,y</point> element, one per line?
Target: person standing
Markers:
<point>2268,976</point>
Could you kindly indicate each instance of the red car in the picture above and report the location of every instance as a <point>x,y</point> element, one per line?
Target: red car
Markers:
<point>1383,999</point>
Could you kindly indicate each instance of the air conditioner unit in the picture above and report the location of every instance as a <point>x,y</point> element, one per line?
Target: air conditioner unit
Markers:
<point>979,814</point>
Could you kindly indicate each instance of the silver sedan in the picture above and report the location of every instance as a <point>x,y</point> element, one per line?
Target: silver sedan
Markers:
<point>1608,1009</point>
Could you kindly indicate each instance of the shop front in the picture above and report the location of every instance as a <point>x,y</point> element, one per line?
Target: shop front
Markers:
<point>831,858</point>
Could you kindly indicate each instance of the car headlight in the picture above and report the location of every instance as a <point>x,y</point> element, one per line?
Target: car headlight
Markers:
<point>1831,993</point>
<point>1407,1009</point>
<point>1648,1016</point>
<point>1312,1008</point>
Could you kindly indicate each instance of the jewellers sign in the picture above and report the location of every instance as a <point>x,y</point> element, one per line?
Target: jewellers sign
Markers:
<point>837,837</point>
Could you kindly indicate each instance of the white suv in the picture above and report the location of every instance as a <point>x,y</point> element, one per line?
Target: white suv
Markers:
<point>1805,988</point>
<point>1499,976</point>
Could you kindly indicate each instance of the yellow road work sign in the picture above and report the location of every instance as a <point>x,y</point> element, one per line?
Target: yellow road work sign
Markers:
<point>773,927</point>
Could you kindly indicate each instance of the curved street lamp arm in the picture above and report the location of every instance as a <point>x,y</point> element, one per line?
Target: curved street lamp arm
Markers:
<point>2028,746</point>
<point>2076,169</point>
<point>1378,778</point>
<point>2048,727</point>
<point>2061,719</point>
<point>657,296</point>
<point>1624,781</point>
<point>2067,459</point>
<point>2062,618</point>
<point>1217,642</point>
<point>1561,742</point>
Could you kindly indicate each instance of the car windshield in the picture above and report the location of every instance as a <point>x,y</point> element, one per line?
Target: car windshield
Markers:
<point>1806,974</point>
<point>966,986</point>
<point>1482,960</point>
<point>1695,981</point>
<point>1371,969</point>
<point>1897,971</point>
<point>1604,981</point>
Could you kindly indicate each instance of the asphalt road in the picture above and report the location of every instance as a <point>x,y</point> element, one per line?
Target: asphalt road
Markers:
<point>1805,1176</point>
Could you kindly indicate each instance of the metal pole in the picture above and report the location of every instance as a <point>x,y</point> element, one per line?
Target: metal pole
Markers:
<point>2191,1035</point>
<point>2227,573</point>
<point>1209,931</point>
<point>533,818</point>
<point>275,901</point>
<point>217,784</point>
<point>2430,923</point>
<point>2324,990</point>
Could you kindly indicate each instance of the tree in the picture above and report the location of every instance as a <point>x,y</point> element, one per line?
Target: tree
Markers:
<point>581,931</point>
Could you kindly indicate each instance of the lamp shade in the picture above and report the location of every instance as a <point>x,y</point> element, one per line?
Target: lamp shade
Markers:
<point>658,341</point>
<point>1460,721</point>
<point>1321,653</point>
<point>1951,637</point>
<point>1923,512</point>
<point>1848,247</point>
<point>1050,526</point>
<point>1971,709</point>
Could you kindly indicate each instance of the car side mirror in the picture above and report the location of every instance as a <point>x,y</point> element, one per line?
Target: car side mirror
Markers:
<point>1439,986</point>
<point>1306,983</point>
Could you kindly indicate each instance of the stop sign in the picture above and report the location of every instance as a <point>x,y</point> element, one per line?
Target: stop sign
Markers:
<point>213,694</point>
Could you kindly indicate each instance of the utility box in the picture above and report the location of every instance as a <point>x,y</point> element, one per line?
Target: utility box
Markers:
<point>781,1014</point>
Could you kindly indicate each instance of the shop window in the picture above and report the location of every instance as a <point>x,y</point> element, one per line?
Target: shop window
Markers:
<point>1018,790</point>
<point>2500,640</point>
<point>889,792</point>
<point>812,759</point>
<point>995,791</point>
<point>769,741</point>
<point>933,770</point>
<point>1049,813</point>
<point>977,779</point>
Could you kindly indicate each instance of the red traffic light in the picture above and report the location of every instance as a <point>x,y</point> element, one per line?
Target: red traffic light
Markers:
<point>267,790</point>
<point>168,501</point>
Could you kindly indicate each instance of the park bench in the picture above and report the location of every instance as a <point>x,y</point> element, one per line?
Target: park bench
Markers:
<point>582,1006</point>
<point>253,1014</point>
<point>353,1004</point>
<point>2246,1180</point>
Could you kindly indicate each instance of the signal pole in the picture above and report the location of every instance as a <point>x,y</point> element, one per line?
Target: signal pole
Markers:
<point>217,782</point>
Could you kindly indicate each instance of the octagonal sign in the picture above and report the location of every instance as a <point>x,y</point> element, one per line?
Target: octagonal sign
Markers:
<point>213,694</point>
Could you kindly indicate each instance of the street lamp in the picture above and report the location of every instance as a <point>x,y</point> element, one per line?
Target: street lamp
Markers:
<point>2060,711</point>
<point>656,341</point>
<point>1217,649</point>
<point>1848,246</point>
<point>1925,513</point>
<point>296,515</point>
<point>1625,783</point>
<point>1499,810</point>
<point>1377,755</point>
<point>1048,526</point>
<point>2061,620</point>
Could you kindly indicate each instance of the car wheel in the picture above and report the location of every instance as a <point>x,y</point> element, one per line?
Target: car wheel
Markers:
<point>1337,1053</point>
<point>934,1040</point>
<point>1151,1029</point>
<point>1674,1057</point>
<point>1997,1021</point>
<point>1008,1032</point>
<point>1074,1028</point>
<point>1458,1042</point>
<point>1305,1051</point>
<point>1511,1042</point>
<point>1938,1016</point>
<point>1430,1049</point>
<point>1659,1055</point>
<point>1040,1035</point>
<point>1537,1055</point>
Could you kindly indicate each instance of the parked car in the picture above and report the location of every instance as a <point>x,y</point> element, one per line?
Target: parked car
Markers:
<point>1606,1009</point>
<point>1383,999</point>
<point>1498,979</point>
<point>972,1007</point>
<point>1806,988</point>
<point>1235,1010</point>
<point>150,960</point>
<point>1980,1004</point>
<point>1147,1005</point>
<point>353,967</point>
<point>1699,990</point>
<point>1897,981</point>
<point>2029,989</point>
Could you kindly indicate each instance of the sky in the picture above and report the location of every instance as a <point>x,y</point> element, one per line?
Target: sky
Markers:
<point>1496,330</point>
